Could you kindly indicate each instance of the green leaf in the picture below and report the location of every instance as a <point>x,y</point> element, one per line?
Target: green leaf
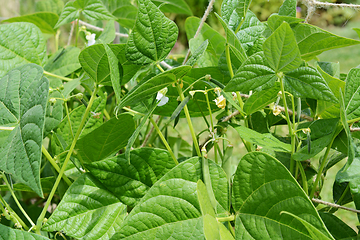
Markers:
<point>130,182</point>
<point>54,6</point>
<point>337,227</point>
<point>275,21</point>
<point>204,200</point>
<point>307,82</point>
<point>330,68</point>
<point>153,36</point>
<point>9,233</point>
<point>64,61</point>
<point>90,9</point>
<point>21,43</point>
<point>281,51</point>
<point>357,30</point>
<point>288,8</point>
<point>174,6</point>
<point>197,53</point>
<point>259,100</point>
<point>262,189</point>
<point>46,184</point>
<point>352,94</point>
<point>216,40</point>
<point>45,21</point>
<point>114,72</point>
<point>313,40</point>
<point>250,30</point>
<point>87,211</point>
<point>171,207</point>
<point>106,139</point>
<point>144,90</point>
<point>124,12</point>
<point>266,140</point>
<point>23,100</point>
<point>234,12</point>
<point>108,35</point>
<point>254,74</point>
<point>54,112</point>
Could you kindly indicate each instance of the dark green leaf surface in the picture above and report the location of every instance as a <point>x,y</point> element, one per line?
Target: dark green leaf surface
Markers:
<point>45,21</point>
<point>114,72</point>
<point>250,30</point>
<point>197,53</point>
<point>54,112</point>
<point>262,189</point>
<point>23,99</point>
<point>144,90</point>
<point>7,233</point>
<point>352,94</point>
<point>91,9</point>
<point>266,140</point>
<point>153,36</point>
<point>281,51</point>
<point>259,100</point>
<point>234,12</point>
<point>313,40</point>
<point>107,139</point>
<point>254,74</point>
<point>130,182</point>
<point>307,82</point>
<point>87,211</point>
<point>170,209</point>
<point>20,43</point>
<point>337,227</point>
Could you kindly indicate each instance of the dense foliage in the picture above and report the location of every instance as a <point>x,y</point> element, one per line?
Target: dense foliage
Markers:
<point>85,149</point>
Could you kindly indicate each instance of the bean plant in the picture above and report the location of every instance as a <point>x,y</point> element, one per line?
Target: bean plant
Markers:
<point>87,143</point>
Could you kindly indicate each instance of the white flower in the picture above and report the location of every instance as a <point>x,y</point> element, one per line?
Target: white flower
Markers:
<point>161,98</point>
<point>91,38</point>
<point>220,102</point>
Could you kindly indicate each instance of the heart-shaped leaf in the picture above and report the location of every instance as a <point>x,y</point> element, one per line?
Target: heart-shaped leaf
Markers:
<point>281,50</point>
<point>87,211</point>
<point>21,43</point>
<point>153,36</point>
<point>23,99</point>
<point>263,188</point>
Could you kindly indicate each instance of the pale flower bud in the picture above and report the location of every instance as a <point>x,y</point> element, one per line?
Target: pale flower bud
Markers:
<point>220,102</point>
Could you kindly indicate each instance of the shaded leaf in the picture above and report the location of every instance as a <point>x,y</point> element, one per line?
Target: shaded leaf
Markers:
<point>197,53</point>
<point>337,227</point>
<point>152,37</point>
<point>23,100</point>
<point>9,233</point>
<point>173,6</point>
<point>259,100</point>
<point>64,61</point>
<point>234,12</point>
<point>352,94</point>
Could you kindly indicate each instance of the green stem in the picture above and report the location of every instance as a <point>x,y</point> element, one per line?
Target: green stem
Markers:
<point>322,166</point>
<point>207,180</point>
<point>226,219</point>
<point>303,177</point>
<point>292,161</point>
<point>57,40</point>
<point>188,119</point>
<point>7,128</point>
<point>54,164</point>
<point>210,113</point>
<point>12,214</point>
<point>160,68</point>
<point>16,200</point>
<point>76,31</point>
<point>107,114</point>
<point>343,194</point>
<point>57,76</point>
<point>228,60</point>
<point>163,140</point>
<point>68,118</point>
<point>133,111</point>
<point>62,170</point>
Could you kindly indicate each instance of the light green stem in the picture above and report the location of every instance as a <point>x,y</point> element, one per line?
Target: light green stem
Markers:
<point>62,170</point>
<point>17,201</point>
<point>7,128</point>
<point>12,214</point>
<point>57,76</point>
<point>226,219</point>
<point>188,119</point>
<point>163,140</point>
<point>228,60</point>
<point>76,31</point>
<point>53,163</point>
<point>303,177</point>
<point>68,118</point>
<point>212,126</point>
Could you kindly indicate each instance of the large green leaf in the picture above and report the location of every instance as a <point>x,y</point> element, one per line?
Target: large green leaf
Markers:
<point>173,6</point>
<point>313,40</point>
<point>64,61</point>
<point>130,182</point>
<point>124,12</point>
<point>266,140</point>
<point>170,209</point>
<point>23,99</point>
<point>288,8</point>
<point>106,139</point>
<point>262,189</point>
<point>153,36</point>
<point>87,211</point>
<point>352,94</point>
<point>307,82</point>
<point>281,50</point>
<point>45,21</point>
<point>216,41</point>
<point>90,9</point>
<point>259,100</point>
<point>9,233</point>
<point>234,12</point>
<point>20,43</point>
<point>254,74</point>
<point>151,86</point>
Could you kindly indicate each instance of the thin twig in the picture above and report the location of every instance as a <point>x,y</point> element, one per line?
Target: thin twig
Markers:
<point>88,25</point>
<point>355,129</point>
<point>335,205</point>
<point>71,33</point>
<point>203,19</point>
